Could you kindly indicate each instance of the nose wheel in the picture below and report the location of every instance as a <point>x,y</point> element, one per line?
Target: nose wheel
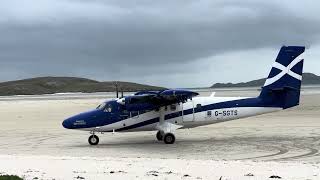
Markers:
<point>93,140</point>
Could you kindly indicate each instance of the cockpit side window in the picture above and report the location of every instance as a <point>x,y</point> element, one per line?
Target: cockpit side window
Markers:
<point>108,108</point>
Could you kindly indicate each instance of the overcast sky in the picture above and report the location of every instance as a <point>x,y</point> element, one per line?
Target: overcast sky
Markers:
<point>180,43</point>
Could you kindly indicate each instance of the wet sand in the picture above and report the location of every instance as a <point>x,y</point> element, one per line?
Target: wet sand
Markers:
<point>278,143</point>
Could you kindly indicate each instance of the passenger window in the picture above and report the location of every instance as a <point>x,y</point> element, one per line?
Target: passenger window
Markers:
<point>173,107</point>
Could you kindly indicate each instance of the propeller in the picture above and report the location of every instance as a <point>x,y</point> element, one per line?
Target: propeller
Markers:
<point>117,90</point>
<point>117,87</point>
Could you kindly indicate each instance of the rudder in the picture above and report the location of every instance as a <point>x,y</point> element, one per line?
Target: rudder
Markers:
<point>282,87</point>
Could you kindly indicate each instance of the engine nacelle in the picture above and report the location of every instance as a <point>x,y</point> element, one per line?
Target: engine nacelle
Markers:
<point>136,103</point>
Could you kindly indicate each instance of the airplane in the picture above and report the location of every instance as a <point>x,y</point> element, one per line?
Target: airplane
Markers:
<point>171,109</point>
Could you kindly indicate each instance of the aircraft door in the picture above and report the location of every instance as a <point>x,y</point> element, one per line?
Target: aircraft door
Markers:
<point>188,111</point>
<point>175,113</point>
<point>199,114</point>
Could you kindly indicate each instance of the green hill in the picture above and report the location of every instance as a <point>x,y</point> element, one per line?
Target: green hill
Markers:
<point>50,85</point>
<point>307,79</point>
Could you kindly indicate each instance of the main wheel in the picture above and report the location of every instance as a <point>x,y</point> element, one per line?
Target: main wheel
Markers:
<point>159,136</point>
<point>93,140</point>
<point>169,138</point>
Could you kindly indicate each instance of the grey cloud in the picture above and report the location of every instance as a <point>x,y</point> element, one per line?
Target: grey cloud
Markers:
<point>124,40</point>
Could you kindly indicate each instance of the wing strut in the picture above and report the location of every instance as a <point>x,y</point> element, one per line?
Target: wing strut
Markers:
<point>163,126</point>
<point>161,114</point>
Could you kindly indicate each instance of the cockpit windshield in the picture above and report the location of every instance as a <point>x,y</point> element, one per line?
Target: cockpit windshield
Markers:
<point>101,106</point>
<point>107,107</point>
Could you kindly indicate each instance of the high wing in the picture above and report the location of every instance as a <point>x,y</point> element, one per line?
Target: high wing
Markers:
<point>150,100</point>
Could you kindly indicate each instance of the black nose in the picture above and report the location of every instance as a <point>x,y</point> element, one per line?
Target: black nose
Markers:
<point>66,124</point>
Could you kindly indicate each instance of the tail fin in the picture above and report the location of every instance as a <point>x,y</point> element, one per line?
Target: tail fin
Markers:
<point>283,84</point>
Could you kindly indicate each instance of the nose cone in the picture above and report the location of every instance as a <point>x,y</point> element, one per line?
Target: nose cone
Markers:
<point>67,124</point>
<point>84,120</point>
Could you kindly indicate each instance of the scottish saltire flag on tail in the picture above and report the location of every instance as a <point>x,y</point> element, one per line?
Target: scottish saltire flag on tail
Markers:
<point>284,81</point>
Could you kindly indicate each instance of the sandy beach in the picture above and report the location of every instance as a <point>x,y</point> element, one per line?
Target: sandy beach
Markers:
<point>34,144</point>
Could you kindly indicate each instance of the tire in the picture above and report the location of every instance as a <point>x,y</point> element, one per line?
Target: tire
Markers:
<point>159,136</point>
<point>169,138</point>
<point>93,140</point>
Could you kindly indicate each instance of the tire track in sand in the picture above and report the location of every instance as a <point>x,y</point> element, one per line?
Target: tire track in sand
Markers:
<point>311,153</point>
<point>281,151</point>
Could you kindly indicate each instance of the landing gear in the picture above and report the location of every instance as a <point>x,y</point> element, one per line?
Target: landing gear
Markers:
<point>93,140</point>
<point>169,138</point>
<point>159,136</point>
